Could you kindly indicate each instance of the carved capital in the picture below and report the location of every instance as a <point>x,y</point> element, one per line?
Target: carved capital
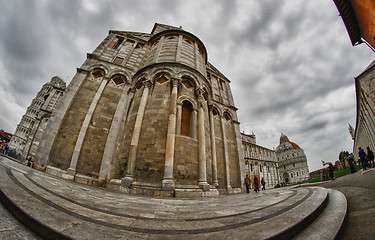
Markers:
<point>147,83</point>
<point>175,82</point>
<point>200,92</point>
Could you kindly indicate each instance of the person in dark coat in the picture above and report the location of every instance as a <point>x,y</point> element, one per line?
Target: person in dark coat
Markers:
<point>362,157</point>
<point>263,184</point>
<point>331,170</point>
<point>370,157</point>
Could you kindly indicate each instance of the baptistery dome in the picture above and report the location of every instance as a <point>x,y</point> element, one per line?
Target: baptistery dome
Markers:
<point>286,144</point>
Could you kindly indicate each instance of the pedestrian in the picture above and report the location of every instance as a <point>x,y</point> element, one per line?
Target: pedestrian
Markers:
<point>370,157</point>
<point>247,183</point>
<point>362,157</point>
<point>331,170</point>
<point>256,184</point>
<point>29,161</point>
<point>263,184</point>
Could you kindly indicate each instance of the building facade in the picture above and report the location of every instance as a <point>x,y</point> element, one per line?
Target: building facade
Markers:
<point>42,105</point>
<point>147,113</point>
<point>260,162</point>
<point>365,123</point>
<point>292,161</point>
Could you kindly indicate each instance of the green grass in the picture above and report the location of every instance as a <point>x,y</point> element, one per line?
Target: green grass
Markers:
<point>346,171</point>
<point>338,174</point>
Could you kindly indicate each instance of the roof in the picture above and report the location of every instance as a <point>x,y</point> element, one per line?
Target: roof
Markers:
<point>350,20</point>
<point>5,135</point>
<point>286,144</point>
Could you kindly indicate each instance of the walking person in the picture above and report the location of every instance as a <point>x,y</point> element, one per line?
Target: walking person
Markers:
<point>370,157</point>
<point>362,157</point>
<point>256,184</point>
<point>263,184</point>
<point>331,170</point>
<point>247,183</point>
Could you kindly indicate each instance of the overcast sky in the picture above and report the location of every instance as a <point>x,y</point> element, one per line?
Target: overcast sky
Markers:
<point>290,62</point>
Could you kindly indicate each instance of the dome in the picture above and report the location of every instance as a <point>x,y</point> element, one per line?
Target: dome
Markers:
<point>286,144</point>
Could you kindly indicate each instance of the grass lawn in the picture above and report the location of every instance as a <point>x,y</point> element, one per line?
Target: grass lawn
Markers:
<point>338,174</point>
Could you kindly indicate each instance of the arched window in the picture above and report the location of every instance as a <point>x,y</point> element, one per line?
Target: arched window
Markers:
<point>118,79</point>
<point>98,72</point>
<point>227,116</point>
<point>187,109</point>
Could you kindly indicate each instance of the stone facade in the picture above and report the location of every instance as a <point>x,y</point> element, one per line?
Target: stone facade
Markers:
<point>292,161</point>
<point>147,113</point>
<point>260,162</point>
<point>365,124</point>
<point>28,132</point>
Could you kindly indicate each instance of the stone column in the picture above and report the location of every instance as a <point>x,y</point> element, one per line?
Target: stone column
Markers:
<point>179,116</point>
<point>129,178</point>
<point>120,114</point>
<point>213,149</point>
<point>179,47</point>
<point>226,157</point>
<point>194,124</point>
<point>157,53</point>
<point>168,183</point>
<point>202,143</point>
<point>82,133</point>
<point>277,174</point>
<point>112,167</point>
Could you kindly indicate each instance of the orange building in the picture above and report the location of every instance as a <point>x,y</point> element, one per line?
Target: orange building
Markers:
<point>359,20</point>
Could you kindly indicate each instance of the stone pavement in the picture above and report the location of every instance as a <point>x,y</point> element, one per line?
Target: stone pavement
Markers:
<point>59,209</point>
<point>359,189</point>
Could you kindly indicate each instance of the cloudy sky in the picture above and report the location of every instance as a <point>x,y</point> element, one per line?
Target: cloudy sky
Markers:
<point>291,63</point>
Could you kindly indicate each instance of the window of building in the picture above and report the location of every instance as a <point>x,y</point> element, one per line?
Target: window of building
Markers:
<point>118,79</point>
<point>260,168</point>
<point>116,42</point>
<point>297,174</point>
<point>251,167</point>
<point>294,165</point>
<point>188,83</point>
<point>97,73</point>
<point>187,109</point>
<point>118,60</point>
<point>284,166</point>
<point>140,45</point>
<point>215,112</point>
<point>227,116</point>
<point>291,174</point>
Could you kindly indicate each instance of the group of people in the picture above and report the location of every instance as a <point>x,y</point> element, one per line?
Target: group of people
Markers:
<point>366,159</point>
<point>4,148</point>
<point>247,182</point>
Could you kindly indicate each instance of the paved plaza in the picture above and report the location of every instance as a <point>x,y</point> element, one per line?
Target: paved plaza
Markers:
<point>58,208</point>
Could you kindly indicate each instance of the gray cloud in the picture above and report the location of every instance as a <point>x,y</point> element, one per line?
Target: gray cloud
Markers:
<point>291,63</point>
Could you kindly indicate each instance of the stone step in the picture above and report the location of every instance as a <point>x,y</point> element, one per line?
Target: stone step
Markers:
<point>330,222</point>
<point>78,211</point>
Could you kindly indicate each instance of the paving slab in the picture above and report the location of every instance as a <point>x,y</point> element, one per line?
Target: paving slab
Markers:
<point>80,211</point>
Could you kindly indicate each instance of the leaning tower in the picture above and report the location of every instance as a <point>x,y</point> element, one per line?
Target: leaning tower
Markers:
<point>46,99</point>
<point>148,114</point>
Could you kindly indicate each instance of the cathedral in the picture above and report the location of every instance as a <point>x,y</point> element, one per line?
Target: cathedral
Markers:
<point>147,113</point>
